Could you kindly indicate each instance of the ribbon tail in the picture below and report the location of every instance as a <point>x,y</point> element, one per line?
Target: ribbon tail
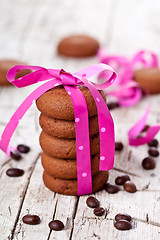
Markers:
<point>15,119</point>
<point>137,128</point>
<point>106,130</point>
<point>84,175</point>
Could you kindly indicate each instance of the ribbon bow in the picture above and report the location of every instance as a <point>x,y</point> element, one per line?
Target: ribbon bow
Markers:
<point>53,78</point>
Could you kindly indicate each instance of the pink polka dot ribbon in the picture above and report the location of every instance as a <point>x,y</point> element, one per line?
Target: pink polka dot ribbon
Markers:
<point>125,89</point>
<point>53,78</point>
<point>128,92</point>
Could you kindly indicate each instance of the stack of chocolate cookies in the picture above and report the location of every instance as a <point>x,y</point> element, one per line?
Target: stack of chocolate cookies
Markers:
<point>58,142</point>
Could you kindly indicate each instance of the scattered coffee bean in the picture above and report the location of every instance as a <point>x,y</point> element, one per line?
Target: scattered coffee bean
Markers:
<point>130,187</point>
<point>111,188</point>
<point>99,211</point>
<point>120,180</point>
<point>112,105</point>
<point>148,163</point>
<point>153,174</point>
<point>14,172</point>
<point>23,148</point>
<point>92,202</point>
<point>56,225</point>
<point>31,219</point>
<point>145,128</point>
<point>153,143</point>
<point>121,216</point>
<point>123,225</point>
<point>118,146</point>
<point>16,155</point>
<point>153,152</point>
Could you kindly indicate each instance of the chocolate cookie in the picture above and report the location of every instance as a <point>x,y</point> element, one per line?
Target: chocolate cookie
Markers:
<point>69,187</point>
<point>66,169</point>
<point>5,65</point>
<point>56,103</point>
<point>78,46</point>
<point>148,78</point>
<point>65,129</point>
<point>65,148</point>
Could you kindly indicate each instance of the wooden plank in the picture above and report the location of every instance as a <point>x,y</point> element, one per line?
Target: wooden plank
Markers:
<point>40,201</point>
<point>12,193</point>
<point>96,229</point>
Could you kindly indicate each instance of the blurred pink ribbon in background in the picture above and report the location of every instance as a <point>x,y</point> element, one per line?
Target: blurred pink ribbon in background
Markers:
<point>53,78</point>
<point>127,92</point>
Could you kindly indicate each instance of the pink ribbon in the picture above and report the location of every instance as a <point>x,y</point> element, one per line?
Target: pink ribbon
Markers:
<point>55,77</point>
<point>127,92</point>
<point>134,132</point>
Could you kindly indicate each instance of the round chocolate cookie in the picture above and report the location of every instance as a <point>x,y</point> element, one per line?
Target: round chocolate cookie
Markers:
<point>65,129</point>
<point>56,103</point>
<point>66,169</point>
<point>69,187</point>
<point>5,65</point>
<point>65,148</point>
<point>78,46</point>
<point>148,78</point>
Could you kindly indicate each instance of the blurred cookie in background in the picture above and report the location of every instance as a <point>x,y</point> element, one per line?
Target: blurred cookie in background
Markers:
<point>78,46</point>
<point>148,78</point>
<point>5,65</point>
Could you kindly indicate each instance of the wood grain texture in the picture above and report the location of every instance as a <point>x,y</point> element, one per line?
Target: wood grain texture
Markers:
<point>30,31</point>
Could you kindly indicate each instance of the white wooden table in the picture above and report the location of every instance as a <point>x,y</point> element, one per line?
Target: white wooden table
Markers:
<point>30,31</point>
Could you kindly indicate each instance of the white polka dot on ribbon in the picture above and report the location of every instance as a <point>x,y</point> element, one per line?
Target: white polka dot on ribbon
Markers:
<point>102,158</point>
<point>103,129</point>
<point>98,100</point>
<point>84,174</point>
<point>69,93</point>
<point>77,120</point>
<point>80,147</point>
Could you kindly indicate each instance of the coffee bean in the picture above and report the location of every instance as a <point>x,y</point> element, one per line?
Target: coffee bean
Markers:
<point>111,188</point>
<point>123,225</point>
<point>120,180</point>
<point>14,172</point>
<point>148,163</point>
<point>153,152</point>
<point>146,127</point>
<point>112,105</point>
<point>153,174</point>
<point>153,143</point>
<point>130,187</point>
<point>31,219</point>
<point>121,216</point>
<point>118,146</point>
<point>99,211</point>
<point>56,225</point>
<point>92,202</point>
<point>23,148</point>
<point>16,155</point>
